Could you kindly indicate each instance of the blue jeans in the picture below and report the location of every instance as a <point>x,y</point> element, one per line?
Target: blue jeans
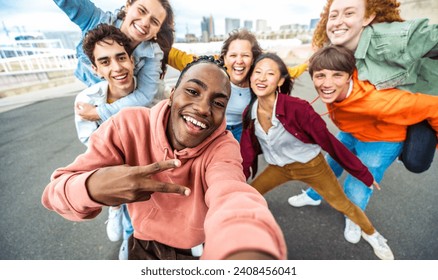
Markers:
<point>377,156</point>
<point>236,130</point>
<point>419,147</point>
<point>126,223</point>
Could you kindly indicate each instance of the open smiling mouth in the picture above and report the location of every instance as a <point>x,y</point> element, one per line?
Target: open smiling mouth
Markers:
<point>139,29</point>
<point>239,70</point>
<point>194,123</point>
<point>120,77</point>
<point>327,93</point>
<point>339,32</point>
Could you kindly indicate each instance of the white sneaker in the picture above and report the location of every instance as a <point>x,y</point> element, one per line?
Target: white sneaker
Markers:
<point>114,227</point>
<point>352,231</point>
<point>302,200</point>
<point>198,250</point>
<point>378,242</point>
<point>123,252</point>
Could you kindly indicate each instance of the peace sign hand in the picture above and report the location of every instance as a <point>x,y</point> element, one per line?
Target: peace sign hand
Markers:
<point>115,185</point>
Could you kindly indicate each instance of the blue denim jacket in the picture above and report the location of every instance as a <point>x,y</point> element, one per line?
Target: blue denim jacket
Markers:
<point>396,55</point>
<point>147,57</point>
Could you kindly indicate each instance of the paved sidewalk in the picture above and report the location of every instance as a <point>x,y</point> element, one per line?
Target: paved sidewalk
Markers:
<point>16,101</point>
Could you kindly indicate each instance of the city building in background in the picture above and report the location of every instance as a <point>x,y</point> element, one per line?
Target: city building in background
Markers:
<point>248,25</point>
<point>231,24</point>
<point>261,26</point>
<point>48,58</point>
<point>207,29</point>
<point>313,23</point>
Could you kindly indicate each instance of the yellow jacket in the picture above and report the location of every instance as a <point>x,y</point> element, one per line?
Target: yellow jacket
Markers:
<point>179,59</point>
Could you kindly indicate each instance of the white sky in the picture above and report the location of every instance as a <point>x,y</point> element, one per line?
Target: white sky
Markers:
<point>44,15</point>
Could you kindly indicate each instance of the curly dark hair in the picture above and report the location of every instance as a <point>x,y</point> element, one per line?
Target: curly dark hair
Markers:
<point>104,33</point>
<point>202,59</point>
<point>385,11</point>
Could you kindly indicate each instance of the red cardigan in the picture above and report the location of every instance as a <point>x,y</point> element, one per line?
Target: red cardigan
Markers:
<point>300,119</point>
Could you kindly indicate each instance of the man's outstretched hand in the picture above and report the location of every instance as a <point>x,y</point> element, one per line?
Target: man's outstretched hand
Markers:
<point>120,184</point>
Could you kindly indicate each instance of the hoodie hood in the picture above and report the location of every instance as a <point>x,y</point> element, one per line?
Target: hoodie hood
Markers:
<point>159,117</point>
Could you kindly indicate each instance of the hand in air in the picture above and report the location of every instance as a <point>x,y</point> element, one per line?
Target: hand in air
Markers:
<point>115,185</point>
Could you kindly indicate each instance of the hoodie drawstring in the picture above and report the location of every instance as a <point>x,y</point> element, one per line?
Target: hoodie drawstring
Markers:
<point>166,152</point>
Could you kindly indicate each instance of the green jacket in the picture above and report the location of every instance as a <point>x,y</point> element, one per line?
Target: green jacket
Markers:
<point>401,55</point>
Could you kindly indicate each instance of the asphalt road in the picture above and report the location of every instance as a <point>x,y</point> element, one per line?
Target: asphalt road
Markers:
<point>37,138</point>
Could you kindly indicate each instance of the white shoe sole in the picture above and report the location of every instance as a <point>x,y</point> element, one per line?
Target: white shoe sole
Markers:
<point>293,203</point>
<point>377,253</point>
<point>352,240</point>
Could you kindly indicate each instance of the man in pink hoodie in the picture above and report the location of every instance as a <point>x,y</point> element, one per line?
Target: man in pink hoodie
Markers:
<point>180,173</point>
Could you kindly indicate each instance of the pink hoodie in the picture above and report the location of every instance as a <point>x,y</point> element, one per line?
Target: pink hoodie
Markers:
<point>222,210</point>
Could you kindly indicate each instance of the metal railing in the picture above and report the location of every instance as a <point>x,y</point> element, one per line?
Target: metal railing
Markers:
<point>33,56</point>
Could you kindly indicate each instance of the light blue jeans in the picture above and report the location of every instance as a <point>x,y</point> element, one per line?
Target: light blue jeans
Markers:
<point>377,156</point>
<point>126,223</point>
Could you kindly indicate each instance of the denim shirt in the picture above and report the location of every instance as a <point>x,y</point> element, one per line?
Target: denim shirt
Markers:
<point>147,57</point>
<point>396,54</point>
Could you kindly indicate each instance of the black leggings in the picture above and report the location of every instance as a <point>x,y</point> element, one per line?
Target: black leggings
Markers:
<point>419,147</point>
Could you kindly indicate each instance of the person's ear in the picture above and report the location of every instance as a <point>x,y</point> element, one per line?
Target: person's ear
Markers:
<point>96,71</point>
<point>368,20</point>
<point>171,97</point>
<point>281,82</point>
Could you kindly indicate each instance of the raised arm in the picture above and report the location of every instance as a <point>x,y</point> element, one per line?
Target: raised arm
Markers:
<point>82,12</point>
<point>178,59</point>
<point>100,177</point>
<point>297,70</point>
<point>238,222</point>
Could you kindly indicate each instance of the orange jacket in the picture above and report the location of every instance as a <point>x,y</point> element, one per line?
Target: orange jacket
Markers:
<point>382,115</point>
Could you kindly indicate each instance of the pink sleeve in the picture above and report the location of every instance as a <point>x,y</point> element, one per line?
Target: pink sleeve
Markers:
<point>67,193</point>
<point>238,217</point>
